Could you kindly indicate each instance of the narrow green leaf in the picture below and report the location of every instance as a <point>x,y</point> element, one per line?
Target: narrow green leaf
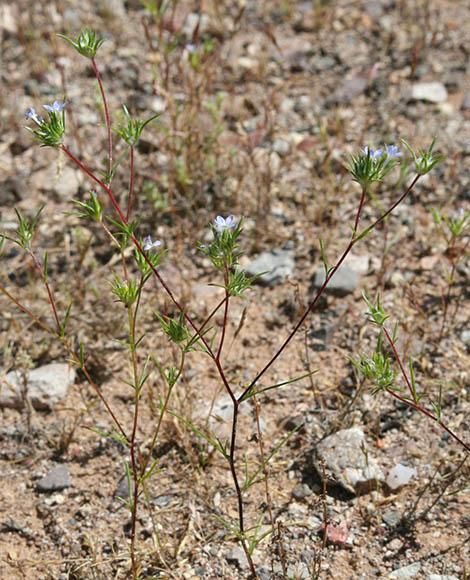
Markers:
<point>199,432</point>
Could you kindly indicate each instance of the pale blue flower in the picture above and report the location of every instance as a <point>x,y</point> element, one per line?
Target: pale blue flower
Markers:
<point>392,151</point>
<point>56,107</point>
<point>224,224</point>
<point>149,245</point>
<point>31,114</point>
<point>375,155</point>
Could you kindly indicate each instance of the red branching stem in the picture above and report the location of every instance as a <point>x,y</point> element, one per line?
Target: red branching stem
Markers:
<point>324,285</point>
<point>154,270</point>
<point>398,359</point>
<point>49,291</point>
<point>431,416</point>
<point>70,351</point>
<point>414,403</point>
<point>224,325</point>
<point>359,210</point>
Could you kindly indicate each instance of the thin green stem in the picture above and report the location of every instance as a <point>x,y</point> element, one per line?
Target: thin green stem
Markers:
<point>106,114</point>
<point>135,472</point>
<point>131,184</point>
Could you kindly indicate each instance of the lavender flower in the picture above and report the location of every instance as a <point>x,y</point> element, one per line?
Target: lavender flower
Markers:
<point>392,151</point>
<point>56,107</point>
<point>374,155</point>
<point>222,224</point>
<point>31,114</point>
<point>148,244</point>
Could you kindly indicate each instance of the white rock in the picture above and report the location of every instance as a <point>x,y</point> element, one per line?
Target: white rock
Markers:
<point>45,386</point>
<point>344,456</point>
<point>399,475</point>
<point>194,19</point>
<point>8,19</point>
<point>432,92</point>
<point>406,572</point>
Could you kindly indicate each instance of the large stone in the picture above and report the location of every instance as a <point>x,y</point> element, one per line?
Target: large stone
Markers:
<point>57,479</point>
<point>237,556</point>
<point>431,92</point>
<point>406,572</point>
<point>344,281</point>
<point>347,91</point>
<point>399,475</point>
<point>45,386</point>
<point>278,265</point>
<point>345,457</point>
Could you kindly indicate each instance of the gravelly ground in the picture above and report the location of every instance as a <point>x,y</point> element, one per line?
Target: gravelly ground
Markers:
<point>261,128</point>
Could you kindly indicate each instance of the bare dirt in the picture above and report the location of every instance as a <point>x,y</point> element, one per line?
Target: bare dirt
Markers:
<point>260,126</point>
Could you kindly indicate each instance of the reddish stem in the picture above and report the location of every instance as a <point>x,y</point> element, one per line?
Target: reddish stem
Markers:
<point>414,404</point>
<point>49,292</point>
<point>70,351</point>
<point>431,416</point>
<point>333,271</point>
<point>154,270</point>
<point>397,358</point>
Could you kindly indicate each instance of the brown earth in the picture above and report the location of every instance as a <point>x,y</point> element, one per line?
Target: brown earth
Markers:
<point>260,127</point>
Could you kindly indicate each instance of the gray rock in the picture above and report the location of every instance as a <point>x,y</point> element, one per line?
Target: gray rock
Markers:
<point>343,282</point>
<point>58,478</point>
<point>163,500</point>
<point>322,337</point>
<point>324,63</point>
<point>263,573</point>
<point>343,454</point>
<point>465,337</point>
<point>279,265</point>
<point>237,556</point>
<point>391,518</point>
<point>122,490</point>
<point>399,475</point>
<point>301,491</point>
<point>359,264</point>
<point>64,184</point>
<point>406,572</point>
<point>281,147</point>
<point>347,91</point>
<point>113,8</point>
<point>431,92</point>
<point>8,19</point>
<point>192,21</point>
<point>45,386</point>
<point>440,577</point>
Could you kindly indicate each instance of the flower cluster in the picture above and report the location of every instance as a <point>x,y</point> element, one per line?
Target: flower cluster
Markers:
<point>373,164</point>
<point>222,251</point>
<point>424,160</point>
<point>49,133</point>
<point>87,43</point>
